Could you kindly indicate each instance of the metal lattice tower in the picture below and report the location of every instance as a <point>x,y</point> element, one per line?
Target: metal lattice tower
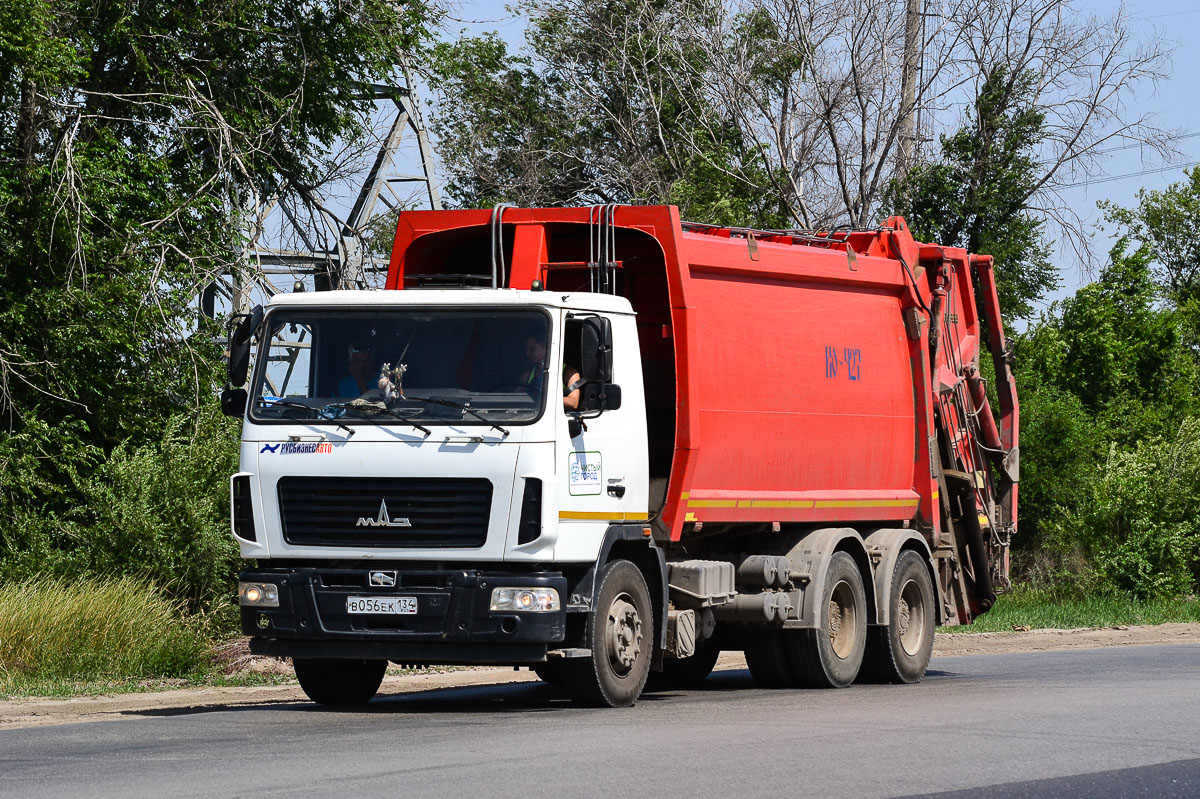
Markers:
<point>328,251</point>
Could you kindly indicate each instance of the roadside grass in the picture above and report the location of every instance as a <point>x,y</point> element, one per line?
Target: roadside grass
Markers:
<point>1042,608</point>
<point>102,636</point>
<point>58,636</point>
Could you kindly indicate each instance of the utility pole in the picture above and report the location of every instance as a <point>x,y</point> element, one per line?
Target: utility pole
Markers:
<point>908,88</point>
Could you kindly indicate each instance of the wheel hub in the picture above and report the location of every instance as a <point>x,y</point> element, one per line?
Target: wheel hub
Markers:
<point>624,634</point>
<point>911,618</point>
<point>903,617</point>
<point>843,620</point>
<point>835,620</point>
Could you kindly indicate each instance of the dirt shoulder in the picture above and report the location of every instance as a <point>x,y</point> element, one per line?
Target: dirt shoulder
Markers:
<point>37,712</point>
<point>948,644</point>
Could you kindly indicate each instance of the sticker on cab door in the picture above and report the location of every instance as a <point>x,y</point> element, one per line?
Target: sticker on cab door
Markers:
<point>586,473</point>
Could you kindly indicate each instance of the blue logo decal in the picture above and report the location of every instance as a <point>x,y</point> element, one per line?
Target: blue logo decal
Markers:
<point>269,448</point>
<point>850,359</point>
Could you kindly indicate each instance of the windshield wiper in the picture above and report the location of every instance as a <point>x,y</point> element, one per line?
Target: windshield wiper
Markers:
<point>287,404</point>
<point>316,412</point>
<point>464,409</point>
<point>366,406</point>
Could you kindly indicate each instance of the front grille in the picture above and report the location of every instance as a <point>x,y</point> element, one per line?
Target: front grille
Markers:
<point>368,512</point>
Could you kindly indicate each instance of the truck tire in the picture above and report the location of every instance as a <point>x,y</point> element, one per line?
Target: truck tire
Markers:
<point>899,652</point>
<point>768,657</point>
<point>339,683</point>
<point>620,635</point>
<point>550,672</point>
<point>687,672</point>
<point>830,656</point>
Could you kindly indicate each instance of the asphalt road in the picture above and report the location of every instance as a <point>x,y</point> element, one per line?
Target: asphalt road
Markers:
<point>1097,723</point>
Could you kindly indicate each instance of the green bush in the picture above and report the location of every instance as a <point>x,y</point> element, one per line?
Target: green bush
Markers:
<point>161,511</point>
<point>1143,515</point>
<point>158,512</point>
<point>54,629</point>
<point>1126,520</point>
<point>1110,433</point>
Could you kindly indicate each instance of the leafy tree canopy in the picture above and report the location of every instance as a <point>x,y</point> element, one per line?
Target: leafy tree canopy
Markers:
<point>133,135</point>
<point>605,104</point>
<point>1110,404</point>
<point>1164,224</point>
<point>976,196</point>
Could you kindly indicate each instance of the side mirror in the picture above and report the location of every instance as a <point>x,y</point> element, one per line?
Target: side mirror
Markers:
<point>600,397</point>
<point>596,351</point>
<point>239,346</point>
<point>233,402</point>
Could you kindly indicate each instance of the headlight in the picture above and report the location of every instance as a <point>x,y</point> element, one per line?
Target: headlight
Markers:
<point>261,595</point>
<point>530,599</point>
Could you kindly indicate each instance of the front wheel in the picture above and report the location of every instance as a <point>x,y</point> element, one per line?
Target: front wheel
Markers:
<point>620,634</point>
<point>339,683</point>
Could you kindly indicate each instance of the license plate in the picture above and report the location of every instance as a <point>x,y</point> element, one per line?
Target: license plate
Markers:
<point>394,605</point>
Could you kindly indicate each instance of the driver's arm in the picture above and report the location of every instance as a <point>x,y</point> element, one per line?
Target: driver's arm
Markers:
<point>571,400</point>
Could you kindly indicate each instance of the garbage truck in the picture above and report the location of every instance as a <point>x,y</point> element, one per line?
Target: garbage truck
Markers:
<point>607,445</point>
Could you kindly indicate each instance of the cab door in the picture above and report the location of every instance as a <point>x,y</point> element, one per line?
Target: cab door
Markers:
<point>602,447</point>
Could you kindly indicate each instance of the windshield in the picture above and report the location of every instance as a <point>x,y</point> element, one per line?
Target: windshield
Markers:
<point>415,367</point>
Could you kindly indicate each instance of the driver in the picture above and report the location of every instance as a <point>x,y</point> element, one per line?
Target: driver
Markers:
<point>361,365</point>
<point>535,353</point>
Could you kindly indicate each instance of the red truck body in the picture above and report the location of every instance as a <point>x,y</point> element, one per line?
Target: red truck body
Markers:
<point>823,379</point>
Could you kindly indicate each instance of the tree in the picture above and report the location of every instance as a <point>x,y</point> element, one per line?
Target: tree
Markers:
<point>608,105</point>
<point>976,196</point>
<point>1110,401</point>
<point>796,103</point>
<point>133,136</point>
<point>1164,223</point>
<point>1086,67</point>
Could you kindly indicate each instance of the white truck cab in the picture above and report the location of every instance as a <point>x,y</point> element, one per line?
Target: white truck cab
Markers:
<point>412,487</point>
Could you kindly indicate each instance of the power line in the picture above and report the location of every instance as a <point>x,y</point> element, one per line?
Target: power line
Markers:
<point>1143,144</point>
<point>1144,172</point>
<point>1171,13</point>
<point>1126,147</point>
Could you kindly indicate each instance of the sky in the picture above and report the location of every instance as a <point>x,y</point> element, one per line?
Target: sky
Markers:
<point>1173,103</point>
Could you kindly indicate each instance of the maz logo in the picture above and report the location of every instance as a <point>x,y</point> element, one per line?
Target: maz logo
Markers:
<point>382,520</point>
<point>383,579</point>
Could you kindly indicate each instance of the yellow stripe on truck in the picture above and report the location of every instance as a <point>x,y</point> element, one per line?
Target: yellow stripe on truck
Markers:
<point>867,503</point>
<point>602,515</point>
<point>803,503</point>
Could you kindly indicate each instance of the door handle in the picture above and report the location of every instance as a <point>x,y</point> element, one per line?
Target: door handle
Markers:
<point>616,490</point>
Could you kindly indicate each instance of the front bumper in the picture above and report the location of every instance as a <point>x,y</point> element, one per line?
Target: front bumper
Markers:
<point>453,623</point>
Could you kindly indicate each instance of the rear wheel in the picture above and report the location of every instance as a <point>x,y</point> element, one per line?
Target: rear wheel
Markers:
<point>830,656</point>
<point>620,634</point>
<point>767,657</point>
<point>688,672</point>
<point>339,683</point>
<point>899,652</point>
